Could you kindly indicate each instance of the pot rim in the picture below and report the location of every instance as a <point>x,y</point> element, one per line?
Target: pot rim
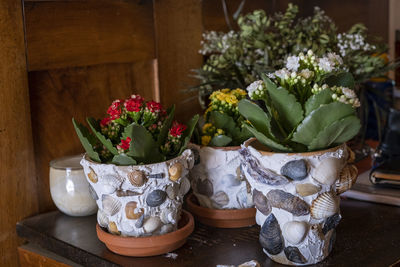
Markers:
<point>224,148</point>
<point>305,154</point>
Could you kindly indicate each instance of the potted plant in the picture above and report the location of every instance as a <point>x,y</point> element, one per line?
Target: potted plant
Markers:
<point>136,163</point>
<point>217,181</point>
<point>299,164</point>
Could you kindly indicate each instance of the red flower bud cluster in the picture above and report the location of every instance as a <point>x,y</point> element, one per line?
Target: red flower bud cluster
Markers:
<point>154,107</point>
<point>134,104</point>
<point>177,129</point>
<point>115,109</point>
<point>125,144</point>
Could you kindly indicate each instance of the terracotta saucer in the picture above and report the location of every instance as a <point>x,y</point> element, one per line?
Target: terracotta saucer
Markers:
<point>148,246</point>
<point>221,218</point>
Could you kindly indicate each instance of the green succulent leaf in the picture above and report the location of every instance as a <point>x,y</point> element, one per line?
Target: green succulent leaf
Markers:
<point>258,118</point>
<point>315,101</point>
<point>88,141</point>
<point>344,79</point>
<point>123,160</point>
<point>220,140</point>
<point>241,135</point>
<point>222,121</point>
<point>166,126</point>
<point>95,127</point>
<point>188,132</point>
<point>337,133</point>
<point>267,141</point>
<point>289,110</point>
<point>319,119</point>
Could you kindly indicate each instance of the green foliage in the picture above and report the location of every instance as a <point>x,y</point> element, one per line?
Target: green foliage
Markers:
<point>88,141</point>
<point>191,125</point>
<point>95,127</point>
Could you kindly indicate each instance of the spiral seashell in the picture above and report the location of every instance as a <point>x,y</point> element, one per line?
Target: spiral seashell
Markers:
<point>175,171</point>
<point>261,202</point>
<point>131,211</point>
<point>113,229</point>
<point>92,176</point>
<point>220,199</point>
<point>137,178</point>
<point>93,193</point>
<point>295,232</point>
<point>280,199</point>
<point>307,189</point>
<point>271,236</point>
<point>111,206</point>
<point>325,205</point>
<point>102,218</point>
<point>293,254</point>
<point>351,155</point>
<point>184,187</point>
<point>152,224</point>
<point>172,190</point>
<point>110,183</point>
<point>327,172</point>
<point>347,178</point>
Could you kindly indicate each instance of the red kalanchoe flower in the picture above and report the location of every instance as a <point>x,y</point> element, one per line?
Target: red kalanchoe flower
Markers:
<point>125,143</point>
<point>104,122</point>
<point>133,105</point>
<point>137,98</point>
<point>115,109</point>
<point>154,107</point>
<point>177,129</point>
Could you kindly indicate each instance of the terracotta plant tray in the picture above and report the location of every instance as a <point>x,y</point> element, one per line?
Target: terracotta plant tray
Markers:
<point>149,246</point>
<point>221,218</point>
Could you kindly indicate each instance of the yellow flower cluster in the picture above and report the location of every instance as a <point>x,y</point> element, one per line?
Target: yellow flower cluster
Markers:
<point>228,96</point>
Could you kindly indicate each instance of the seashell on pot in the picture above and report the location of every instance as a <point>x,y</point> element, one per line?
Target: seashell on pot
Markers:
<point>184,187</point>
<point>93,193</point>
<point>92,176</point>
<point>156,198</point>
<point>137,178</point>
<point>347,177</point>
<point>307,189</point>
<point>168,215</point>
<point>112,228</point>
<point>151,224</point>
<point>110,183</point>
<point>220,199</point>
<point>139,222</point>
<point>110,205</point>
<point>172,190</point>
<point>156,175</point>
<point>327,172</point>
<point>295,231</point>
<point>261,202</point>
<point>175,171</point>
<point>132,212</point>
<point>295,169</point>
<point>293,254</point>
<point>102,218</point>
<point>271,236</point>
<point>331,223</point>
<point>325,205</point>
<point>204,187</point>
<point>126,193</point>
<point>351,155</point>
<point>283,200</point>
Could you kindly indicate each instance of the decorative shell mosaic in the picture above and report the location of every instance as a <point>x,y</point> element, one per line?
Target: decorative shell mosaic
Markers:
<point>296,196</point>
<point>217,180</point>
<point>140,200</point>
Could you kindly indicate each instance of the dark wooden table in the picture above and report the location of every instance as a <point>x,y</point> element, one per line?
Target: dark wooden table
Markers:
<point>368,235</point>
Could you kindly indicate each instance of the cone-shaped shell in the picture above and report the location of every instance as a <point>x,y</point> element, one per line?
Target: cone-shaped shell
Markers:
<point>294,231</point>
<point>102,218</point>
<point>175,171</point>
<point>137,178</point>
<point>347,178</point>
<point>283,200</point>
<point>325,205</point>
<point>92,176</point>
<point>307,189</point>
<point>327,172</point>
<point>271,236</point>
<point>110,205</point>
<point>131,212</point>
<point>261,202</point>
<point>113,229</point>
<point>126,193</point>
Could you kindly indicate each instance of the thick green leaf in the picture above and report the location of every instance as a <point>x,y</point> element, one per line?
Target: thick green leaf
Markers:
<point>94,126</point>
<point>315,101</point>
<point>222,121</point>
<point>289,110</point>
<point>336,133</point>
<point>319,119</point>
<point>220,140</point>
<point>188,132</point>
<point>267,141</point>
<point>258,118</point>
<point>241,135</point>
<point>166,126</point>
<point>87,140</point>
<point>143,148</point>
<point>344,79</point>
<point>123,160</point>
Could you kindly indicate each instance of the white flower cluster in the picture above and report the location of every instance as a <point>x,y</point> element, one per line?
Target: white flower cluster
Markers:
<point>347,41</point>
<point>217,42</point>
<point>340,93</point>
<point>256,89</point>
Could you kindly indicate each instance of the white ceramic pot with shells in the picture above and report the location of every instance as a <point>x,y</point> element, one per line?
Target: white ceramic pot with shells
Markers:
<point>139,200</point>
<point>297,199</point>
<point>217,180</point>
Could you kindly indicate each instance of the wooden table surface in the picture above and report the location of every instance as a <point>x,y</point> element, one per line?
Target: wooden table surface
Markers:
<point>368,235</point>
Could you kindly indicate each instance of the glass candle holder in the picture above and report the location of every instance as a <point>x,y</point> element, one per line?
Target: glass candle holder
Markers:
<point>69,188</point>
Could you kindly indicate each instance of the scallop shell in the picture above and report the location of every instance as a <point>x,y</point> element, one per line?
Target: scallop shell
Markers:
<point>93,193</point>
<point>271,236</point>
<point>347,178</point>
<point>151,224</point>
<point>102,218</point>
<point>92,176</point>
<point>325,205</point>
<point>307,189</point>
<point>295,232</point>
<point>351,155</point>
<point>172,190</point>
<point>327,172</point>
<point>261,202</point>
<point>111,206</point>
<point>184,187</point>
<point>175,171</point>
<point>204,187</point>
<point>137,178</point>
<point>126,193</point>
<point>156,198</point>
<point>110,183</point>
<point>220,199</point>
<point>168,215</point>
<point>132,212</point>
<point>283,200</point>
<point>293,254</point>
<point>113,229</point>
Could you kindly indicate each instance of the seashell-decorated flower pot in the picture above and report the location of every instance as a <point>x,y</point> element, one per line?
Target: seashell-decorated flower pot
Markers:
<point>222,191</point>
<point>139,200</point>
<point>296,196</point>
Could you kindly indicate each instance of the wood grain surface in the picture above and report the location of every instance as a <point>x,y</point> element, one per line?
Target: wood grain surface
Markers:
<point>18,196</point>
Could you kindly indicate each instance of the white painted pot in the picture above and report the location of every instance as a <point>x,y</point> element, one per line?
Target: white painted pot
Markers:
<point>217,180</point>
<point>139,200</point>
<point>297,216</point>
